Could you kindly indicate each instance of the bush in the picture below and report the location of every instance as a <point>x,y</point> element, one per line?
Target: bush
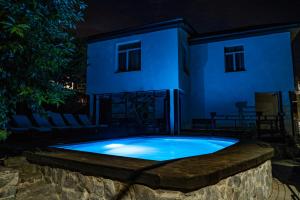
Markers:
<point>37,50</point>
<point>3,135</point>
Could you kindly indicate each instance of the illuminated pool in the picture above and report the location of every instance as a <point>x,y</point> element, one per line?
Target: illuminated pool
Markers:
<point>154,148</point>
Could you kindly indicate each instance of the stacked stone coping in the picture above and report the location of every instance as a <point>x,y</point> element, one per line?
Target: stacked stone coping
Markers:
<point>255,183</point>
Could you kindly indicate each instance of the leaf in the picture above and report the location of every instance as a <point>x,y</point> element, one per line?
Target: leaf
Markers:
<point>3,135</point>
<point>19,29</point>
<point>7,24</point>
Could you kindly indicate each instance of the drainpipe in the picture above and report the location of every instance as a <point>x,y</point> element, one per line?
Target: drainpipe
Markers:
<point>97,110</point>
<point>171,112</point>
<point>176,112</point>
<point>91,106</point>
<point>291,95</point>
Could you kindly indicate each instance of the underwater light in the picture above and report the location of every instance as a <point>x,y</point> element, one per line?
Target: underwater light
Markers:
<point>130,150</point>
<point>112,146</point>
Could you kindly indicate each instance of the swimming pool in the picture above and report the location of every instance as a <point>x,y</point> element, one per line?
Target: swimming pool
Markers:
<point>158,148</point>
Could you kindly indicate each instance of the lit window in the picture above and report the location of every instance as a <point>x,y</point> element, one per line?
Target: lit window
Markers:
<point>129,57</point>
<point>234,59</point>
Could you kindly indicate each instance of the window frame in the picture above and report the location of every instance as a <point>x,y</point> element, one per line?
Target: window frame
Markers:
<point>127,51</point>
<point>233,51</point>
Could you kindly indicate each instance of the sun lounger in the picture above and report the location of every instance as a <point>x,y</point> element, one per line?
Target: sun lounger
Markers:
<point>73,122</point>
<point>25,125</point>
<point>84,119</point>
<point>18,130</point>
<point>43,122</point>
<point>57,119</point>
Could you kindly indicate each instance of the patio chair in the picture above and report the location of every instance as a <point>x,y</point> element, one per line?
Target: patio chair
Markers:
<point>43,122</point>
<point>72,121</point>
<point>18,129</point>
<point>58,121</point>
<point>25,125</point>
<point>84,119</point>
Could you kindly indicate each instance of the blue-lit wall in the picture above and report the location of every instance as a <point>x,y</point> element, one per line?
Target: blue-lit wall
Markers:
<point>269,68</point>
<point>184,78</point>
<point>207,88</point>
<point>159,68</point>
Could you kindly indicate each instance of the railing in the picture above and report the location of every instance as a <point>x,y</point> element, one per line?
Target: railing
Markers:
<point>297,129</point>
<point>144,109</point>
<point>260,123</point>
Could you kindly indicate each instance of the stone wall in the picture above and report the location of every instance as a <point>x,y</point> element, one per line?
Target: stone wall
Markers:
<point>255,183</point>
<point>9,179</point>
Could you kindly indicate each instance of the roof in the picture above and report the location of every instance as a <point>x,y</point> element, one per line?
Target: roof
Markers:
<point>243,32</point>
<point>196,38</point>
<point>167,24</point>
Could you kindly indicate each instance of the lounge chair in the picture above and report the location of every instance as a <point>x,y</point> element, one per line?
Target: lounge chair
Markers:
<point>58,121</point>
<point>43,122</point>
<point>72,121</point>
<point>18,129</point>
<point>84,119</point>
<point>25,125</point>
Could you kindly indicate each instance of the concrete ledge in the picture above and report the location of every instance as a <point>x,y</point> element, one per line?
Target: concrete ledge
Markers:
<point>187,174</point>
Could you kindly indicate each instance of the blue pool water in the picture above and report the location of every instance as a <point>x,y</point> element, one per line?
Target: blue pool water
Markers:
<point>154,148</point>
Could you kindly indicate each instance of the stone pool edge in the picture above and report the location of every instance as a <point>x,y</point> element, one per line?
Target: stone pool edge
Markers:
<point>185,175</point>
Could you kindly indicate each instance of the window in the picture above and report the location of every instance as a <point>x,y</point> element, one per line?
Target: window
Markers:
<point>234,59</point>
<point>129,57</point>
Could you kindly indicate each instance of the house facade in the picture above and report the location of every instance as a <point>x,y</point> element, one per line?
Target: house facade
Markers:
<point>238,73</point>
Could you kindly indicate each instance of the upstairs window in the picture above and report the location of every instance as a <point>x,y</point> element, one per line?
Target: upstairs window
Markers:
<point>234,59</point>
<point>129,57</point>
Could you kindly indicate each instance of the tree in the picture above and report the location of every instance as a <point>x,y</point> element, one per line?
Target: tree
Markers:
<point>37,47</point>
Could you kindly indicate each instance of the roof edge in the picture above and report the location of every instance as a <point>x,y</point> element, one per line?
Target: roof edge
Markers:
<point>151,27</point>
<point>243,32</point>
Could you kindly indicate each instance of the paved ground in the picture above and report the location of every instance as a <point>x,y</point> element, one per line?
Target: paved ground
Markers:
<point>281,191</point>
<point>286,182</point>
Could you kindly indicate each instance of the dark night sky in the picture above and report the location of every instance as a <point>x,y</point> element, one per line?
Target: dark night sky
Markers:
<point>204,15</point>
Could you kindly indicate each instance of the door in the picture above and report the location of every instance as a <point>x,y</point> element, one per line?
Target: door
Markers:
<point>267,103</point>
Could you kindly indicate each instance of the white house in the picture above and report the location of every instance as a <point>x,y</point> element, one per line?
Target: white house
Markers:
<point>230,72</point>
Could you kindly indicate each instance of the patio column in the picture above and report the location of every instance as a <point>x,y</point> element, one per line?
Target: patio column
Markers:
<point>91,106</point>
<point>171,114</point>
<point>97,117</point>
<point>174,112</point>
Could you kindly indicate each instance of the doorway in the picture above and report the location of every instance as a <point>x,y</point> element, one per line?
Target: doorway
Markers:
<point>268,103</point>
<point>105,110</point>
